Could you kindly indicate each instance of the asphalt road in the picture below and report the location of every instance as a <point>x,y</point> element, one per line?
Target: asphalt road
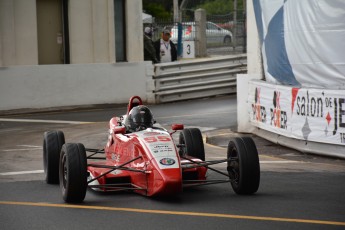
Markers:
<point>297,191</point>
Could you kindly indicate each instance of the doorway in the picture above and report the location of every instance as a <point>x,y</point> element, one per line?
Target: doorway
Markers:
<point>50,32</point>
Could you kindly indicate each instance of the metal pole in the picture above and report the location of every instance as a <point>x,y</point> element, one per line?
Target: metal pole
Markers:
<point>244,26</point>
<point>177,21</point>
<point>234,33</point>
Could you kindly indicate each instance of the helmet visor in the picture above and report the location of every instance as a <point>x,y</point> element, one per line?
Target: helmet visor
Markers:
<point>143,117</point>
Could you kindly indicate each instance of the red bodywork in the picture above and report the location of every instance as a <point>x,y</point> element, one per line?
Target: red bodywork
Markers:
<point>147,161</point>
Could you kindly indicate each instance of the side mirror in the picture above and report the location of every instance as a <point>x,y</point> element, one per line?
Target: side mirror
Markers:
<point>176,127</point>
<point>120,130</point>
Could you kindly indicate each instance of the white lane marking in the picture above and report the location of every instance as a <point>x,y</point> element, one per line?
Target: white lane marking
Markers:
<point>14,150</point>
<point>28,148</point>
<point>44,121</point>
<point>10,130</point>
<point>21,172</point>
<point>277,162</point>
<point>280,162</point>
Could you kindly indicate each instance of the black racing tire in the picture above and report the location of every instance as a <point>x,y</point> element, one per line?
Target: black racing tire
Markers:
<point>193,144</point>
<point>52,144</point>
<point>227,40</point>
<point>73,172</point>
<point>243,165</point>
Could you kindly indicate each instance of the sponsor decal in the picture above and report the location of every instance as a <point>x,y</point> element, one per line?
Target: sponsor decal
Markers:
<point>329,108</point>
<point>162,149</point>
<point>278,117</point>
<point>115,157</point>
<point>167,161</point>
<point>259,111</point>
<point>151,134</point>
<point>116,172</point>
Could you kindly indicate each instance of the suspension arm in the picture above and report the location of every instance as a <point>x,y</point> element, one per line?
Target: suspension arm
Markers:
<point>201,182</point>
<point>113,169</point>
<point>206,165</point>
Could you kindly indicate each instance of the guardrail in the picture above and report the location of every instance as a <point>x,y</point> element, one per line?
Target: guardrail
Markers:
<point>198,78</point>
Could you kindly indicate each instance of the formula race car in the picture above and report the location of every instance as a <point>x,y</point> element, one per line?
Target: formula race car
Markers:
<point>142,156</point>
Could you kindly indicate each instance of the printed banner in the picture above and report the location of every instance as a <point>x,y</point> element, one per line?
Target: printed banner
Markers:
<point>316,115</point>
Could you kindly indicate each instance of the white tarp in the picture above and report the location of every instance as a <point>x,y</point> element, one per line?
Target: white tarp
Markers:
<point>316,115</point>
<point>147,18</point>
<point>303,42</point>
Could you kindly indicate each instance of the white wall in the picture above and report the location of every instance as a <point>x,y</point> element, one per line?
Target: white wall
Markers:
<point>254,68</point>
<point>76,84</point>
<point>18,33</point>
<point>242,84</point>
<point>91,78</point>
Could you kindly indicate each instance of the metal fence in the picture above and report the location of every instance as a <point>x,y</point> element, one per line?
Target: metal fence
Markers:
<point>223,35</point>
<point>221,25</point>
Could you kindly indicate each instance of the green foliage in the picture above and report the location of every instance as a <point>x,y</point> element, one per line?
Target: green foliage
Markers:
<point>217,7</point>
<point>163,9</point>
<point>157,10</point>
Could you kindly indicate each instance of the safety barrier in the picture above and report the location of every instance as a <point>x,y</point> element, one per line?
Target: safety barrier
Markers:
<point>198,78</point>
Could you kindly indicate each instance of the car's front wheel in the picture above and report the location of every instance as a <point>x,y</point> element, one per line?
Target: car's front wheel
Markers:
<point>243,165</point>
<point>191,143</point>
<point>73,172</point>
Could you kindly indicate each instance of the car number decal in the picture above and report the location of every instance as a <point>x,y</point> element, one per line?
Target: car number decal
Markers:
<point>157,139</point>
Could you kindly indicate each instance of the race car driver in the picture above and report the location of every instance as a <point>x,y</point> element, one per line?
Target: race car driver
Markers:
<point>139,118</point>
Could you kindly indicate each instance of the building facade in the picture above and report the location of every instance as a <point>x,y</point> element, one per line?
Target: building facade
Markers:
<point>55,52</point>
<point>37,32</point>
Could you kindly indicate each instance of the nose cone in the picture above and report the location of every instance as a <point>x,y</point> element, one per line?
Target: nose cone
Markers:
<point>165,182</point>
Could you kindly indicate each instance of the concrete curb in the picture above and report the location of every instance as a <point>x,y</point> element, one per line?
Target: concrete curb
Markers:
<point>271,144</point>
<point>323,149</point>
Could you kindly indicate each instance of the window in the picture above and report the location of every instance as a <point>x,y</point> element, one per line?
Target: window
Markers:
<point>120,30</point>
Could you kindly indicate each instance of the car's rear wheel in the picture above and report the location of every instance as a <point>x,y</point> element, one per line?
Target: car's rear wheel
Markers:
<point>72,171</point>
<point>243,165</point>
<point>192,143</point>
<point>227,40</point>
<point>52,144</point>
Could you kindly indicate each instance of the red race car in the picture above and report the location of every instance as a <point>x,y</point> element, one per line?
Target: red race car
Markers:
<point>142,156</point>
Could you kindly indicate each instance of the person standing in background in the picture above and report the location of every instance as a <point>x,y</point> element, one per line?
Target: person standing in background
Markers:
<point>165,48</point>
<point>149,49</point>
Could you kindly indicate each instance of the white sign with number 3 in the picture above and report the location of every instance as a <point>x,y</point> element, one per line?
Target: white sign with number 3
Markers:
<point>188,49</point>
